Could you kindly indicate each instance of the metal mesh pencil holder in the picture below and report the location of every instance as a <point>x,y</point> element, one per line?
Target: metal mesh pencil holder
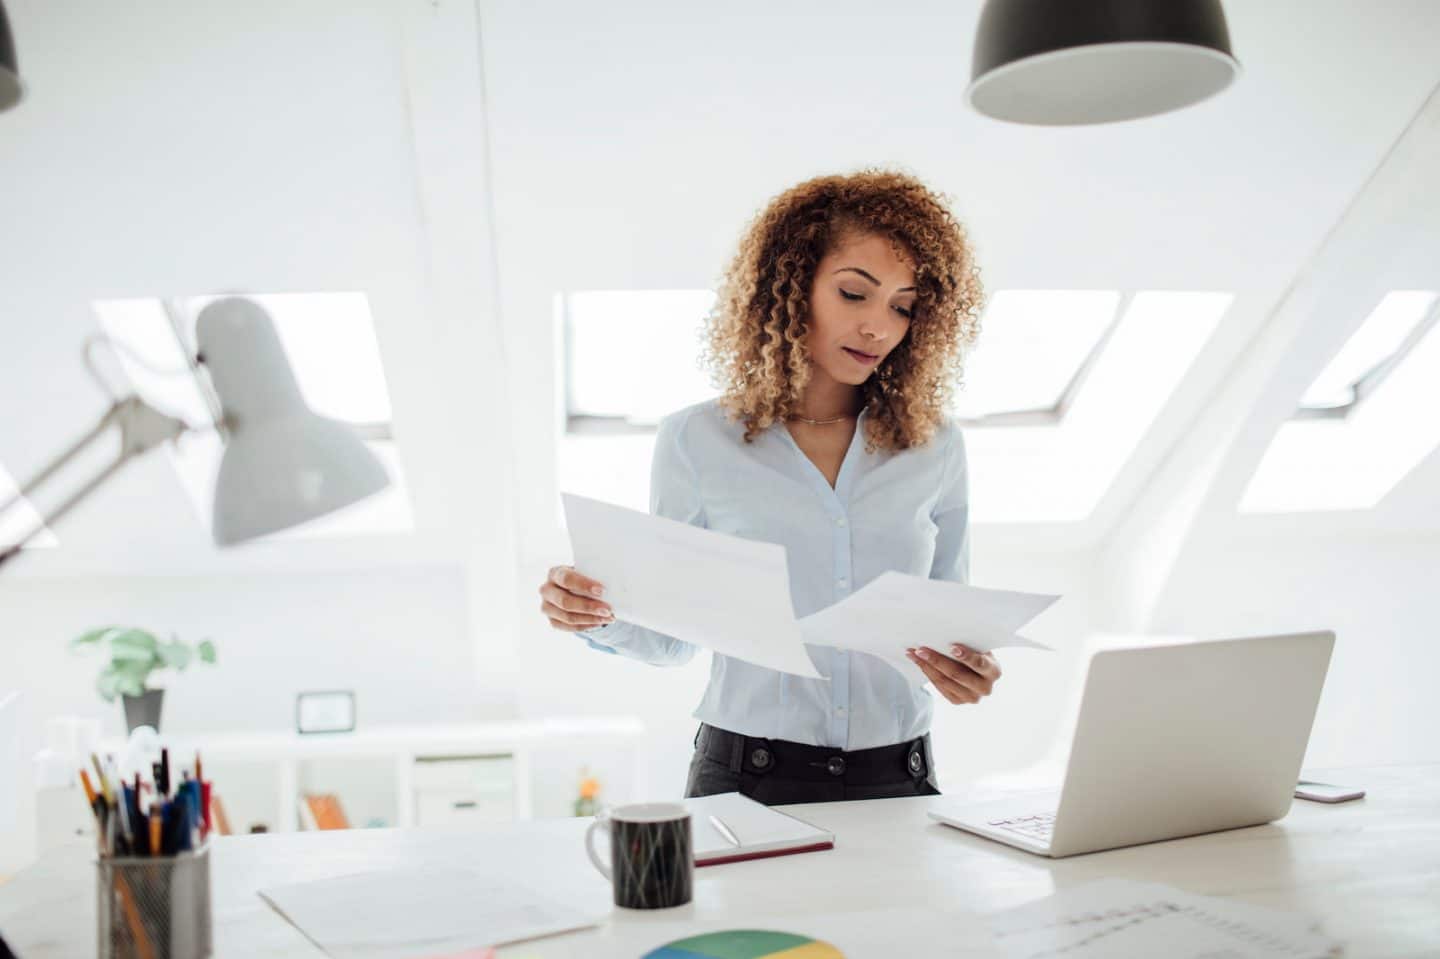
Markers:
<point>154,907</point>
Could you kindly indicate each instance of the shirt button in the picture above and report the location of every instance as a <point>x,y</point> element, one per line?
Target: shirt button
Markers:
<point>840,521</point>
<point>839,710</point>
<point>841,582</point>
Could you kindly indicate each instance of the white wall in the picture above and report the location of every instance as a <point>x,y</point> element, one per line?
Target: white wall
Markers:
<point>1381,596</point>
<point>14,789</point>
<point>398,638</point>
<point>395,637</point>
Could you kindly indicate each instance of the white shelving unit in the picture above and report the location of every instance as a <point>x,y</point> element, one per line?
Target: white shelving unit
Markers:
<point>453,773</point>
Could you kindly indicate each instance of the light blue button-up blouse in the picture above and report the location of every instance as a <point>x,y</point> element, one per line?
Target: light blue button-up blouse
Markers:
<point>905,511</point>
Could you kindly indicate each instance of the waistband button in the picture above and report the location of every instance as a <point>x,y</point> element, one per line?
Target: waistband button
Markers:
<point>760,758</point>
<point>836,766</point>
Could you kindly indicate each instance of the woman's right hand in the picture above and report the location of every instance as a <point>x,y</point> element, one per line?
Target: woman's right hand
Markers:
<point>571,601</point>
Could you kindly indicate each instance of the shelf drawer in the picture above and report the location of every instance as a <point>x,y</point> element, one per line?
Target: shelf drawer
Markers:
<point>459,808</point>
<point>461,772</point>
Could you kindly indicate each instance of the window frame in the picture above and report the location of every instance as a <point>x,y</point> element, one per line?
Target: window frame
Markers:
<point>1370,381</point>
<point>589,424</point>
<point>1054,415</point>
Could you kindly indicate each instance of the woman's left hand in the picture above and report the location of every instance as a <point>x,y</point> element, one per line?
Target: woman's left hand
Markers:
<point>965,676</point>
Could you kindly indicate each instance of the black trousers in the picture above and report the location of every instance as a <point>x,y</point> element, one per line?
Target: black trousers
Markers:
<point>774,771</point>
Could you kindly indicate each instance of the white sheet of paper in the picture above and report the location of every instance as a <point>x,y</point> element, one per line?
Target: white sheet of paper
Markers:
<point>722,592</point>
<point>896,611</point>
<point>410,912</point>
<point>1123,919</point>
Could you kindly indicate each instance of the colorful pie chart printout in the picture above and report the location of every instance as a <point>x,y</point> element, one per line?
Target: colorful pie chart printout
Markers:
<point>747,944</point>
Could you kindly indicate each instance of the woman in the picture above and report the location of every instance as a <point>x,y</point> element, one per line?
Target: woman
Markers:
<point>836,336</point>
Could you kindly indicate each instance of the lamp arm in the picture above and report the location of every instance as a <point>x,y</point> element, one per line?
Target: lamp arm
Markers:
<point>142,428</point>
<point>58,463</point>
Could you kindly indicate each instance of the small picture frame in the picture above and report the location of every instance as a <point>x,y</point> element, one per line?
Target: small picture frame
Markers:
<point>325,711</point>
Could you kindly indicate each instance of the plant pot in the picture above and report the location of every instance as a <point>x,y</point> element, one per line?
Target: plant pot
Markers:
<point>143,710</point>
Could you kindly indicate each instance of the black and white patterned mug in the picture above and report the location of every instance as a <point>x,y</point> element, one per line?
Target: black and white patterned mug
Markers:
<point>651,864</point>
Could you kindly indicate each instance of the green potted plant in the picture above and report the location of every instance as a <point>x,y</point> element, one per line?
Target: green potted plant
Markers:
<point>134,655</point>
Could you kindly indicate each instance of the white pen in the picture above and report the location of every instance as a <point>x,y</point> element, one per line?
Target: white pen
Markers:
<point>724,830</point>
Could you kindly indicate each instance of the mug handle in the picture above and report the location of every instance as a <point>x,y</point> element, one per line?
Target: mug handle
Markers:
<point>601,822</point>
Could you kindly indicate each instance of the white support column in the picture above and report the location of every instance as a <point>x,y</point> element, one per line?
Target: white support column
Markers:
<point>405,790</point>
<point>521,769</point>
<point>289,795</point>
<point>444,77</point>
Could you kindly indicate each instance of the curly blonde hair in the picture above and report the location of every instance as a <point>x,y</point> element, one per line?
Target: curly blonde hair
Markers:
<point>756,332</point>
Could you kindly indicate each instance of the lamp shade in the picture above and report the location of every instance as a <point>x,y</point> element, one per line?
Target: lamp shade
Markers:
<point>10,88</point>
<point>1068,62</point>
<point>283,464</point>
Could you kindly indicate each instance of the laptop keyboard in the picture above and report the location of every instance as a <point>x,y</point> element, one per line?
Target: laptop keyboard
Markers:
<point>1041,826</point>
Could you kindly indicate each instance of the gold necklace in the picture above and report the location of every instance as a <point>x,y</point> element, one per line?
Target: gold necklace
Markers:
<point>806,419</point>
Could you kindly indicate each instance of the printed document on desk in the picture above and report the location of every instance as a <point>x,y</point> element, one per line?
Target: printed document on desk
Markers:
<point>722,592</point>
<point>1125,919</point>
<point>896,611</point>
<point>408,912</point>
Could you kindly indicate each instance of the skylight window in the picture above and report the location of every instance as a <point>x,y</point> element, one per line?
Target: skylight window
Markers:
<point>1357,434</point>
<point>152,352</point>
<point>329,339</point>
<point>1020,474</point>
<point>632,357</point>
<point>1380,342</point>
<point>1033,348</point>
<point>1091,368</point>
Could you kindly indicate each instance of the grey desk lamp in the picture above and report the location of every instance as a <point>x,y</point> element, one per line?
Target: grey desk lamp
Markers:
<point>283,464</point>
<point>10,88</point>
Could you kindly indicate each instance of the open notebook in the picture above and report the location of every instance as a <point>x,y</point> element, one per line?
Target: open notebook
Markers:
<point>762,831</point>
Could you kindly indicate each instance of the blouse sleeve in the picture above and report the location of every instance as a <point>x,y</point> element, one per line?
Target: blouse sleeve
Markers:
<point>952,516</point>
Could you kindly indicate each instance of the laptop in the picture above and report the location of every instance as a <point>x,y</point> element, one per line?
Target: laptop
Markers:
<point>1171,741</point>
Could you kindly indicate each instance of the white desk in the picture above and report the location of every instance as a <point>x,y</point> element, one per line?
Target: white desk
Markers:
<point>1369,870</point>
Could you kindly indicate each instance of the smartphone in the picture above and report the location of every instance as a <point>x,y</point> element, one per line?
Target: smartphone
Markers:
<point>1324,792</point>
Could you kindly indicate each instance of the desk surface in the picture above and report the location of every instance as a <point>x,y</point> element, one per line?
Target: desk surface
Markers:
<point>1369,870</point>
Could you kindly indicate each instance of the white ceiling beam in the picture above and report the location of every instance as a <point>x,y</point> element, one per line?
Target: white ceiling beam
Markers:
<point>1387,238</point>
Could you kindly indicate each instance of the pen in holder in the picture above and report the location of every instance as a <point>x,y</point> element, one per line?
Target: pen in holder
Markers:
<point>154,907</point>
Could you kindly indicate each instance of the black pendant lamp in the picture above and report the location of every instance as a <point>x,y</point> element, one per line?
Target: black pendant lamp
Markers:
<point>10,89</point>
<point>1070,62</point>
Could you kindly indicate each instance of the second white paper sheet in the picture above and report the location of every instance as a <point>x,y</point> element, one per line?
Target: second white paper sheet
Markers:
<point>894,612</point>
<point>727,594</point>
<point>411,911</point>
